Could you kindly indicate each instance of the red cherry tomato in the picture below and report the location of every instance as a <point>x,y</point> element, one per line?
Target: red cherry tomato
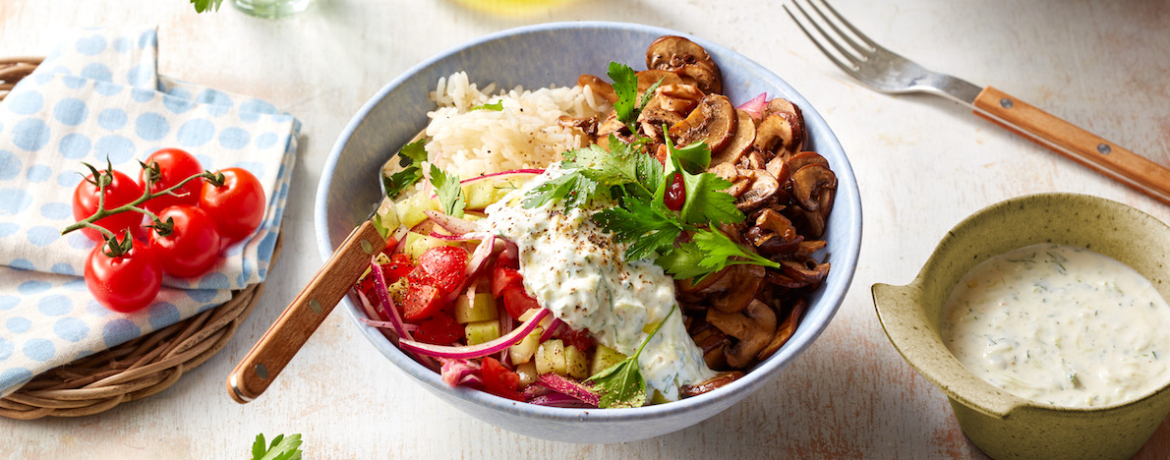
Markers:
<point>517,301</point>
<point>676,194</point>
<point>174,166</point>
<point>126,283</point>
<point>399,266</point>
<point>500,381</point>
<point>192,248</point>
<point>444,266</point>
<point>120,191</point>
<point>439,330</point>
<point>503,277</point>
<point>237,206</point>
<point>422,301</point>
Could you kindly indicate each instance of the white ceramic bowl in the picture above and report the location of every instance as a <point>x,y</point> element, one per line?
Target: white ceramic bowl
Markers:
<point>540,56</point>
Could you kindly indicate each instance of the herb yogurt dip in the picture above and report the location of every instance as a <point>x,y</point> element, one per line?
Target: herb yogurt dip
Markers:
<point>578,272</point>
<point>1060,325</point>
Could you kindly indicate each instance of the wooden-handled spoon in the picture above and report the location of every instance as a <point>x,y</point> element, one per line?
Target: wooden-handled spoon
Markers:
<point>309,309</point>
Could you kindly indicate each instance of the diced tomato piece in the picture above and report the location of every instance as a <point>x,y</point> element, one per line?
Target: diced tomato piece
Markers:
<point>580,339</point>
<point>422,301</point>
<point>441,329</point>
<point>503,277</point>
<point>391,244</point>
<point>508,259</point>
<point>445,266</point>
<point>517,301</point>
<point>500,381</point>
<point>399,266</point>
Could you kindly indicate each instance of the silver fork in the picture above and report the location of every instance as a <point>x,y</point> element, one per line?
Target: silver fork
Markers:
<point>887,72</point>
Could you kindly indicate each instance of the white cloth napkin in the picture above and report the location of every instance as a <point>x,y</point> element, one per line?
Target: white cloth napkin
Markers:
<point>98,96</point>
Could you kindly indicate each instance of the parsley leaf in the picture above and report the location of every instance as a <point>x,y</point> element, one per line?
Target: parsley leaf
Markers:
<point>206,5</point>
<point>625,84</point>
<point>684,261</point>
<point>282,448</point>
<point>650,225</point>
<point>449,192</point>
<point>719,250</point>
<point>573,187</point>
<point>497,106</point>
<point>409,156</point>
<point>694,157</point>
<point>622,385</point>
<point>705,203</point>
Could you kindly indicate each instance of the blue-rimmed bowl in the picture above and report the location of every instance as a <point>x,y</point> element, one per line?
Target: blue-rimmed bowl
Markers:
<point>557,54</point>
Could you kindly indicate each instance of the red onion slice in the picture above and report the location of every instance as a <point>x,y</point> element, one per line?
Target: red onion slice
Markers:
<point>559,384</point>
<point>476,351</point>
<point>452,224</point>
<point>755,107</point>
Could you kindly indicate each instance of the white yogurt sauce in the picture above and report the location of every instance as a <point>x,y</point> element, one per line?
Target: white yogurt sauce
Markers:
<point>1060,325</point>
<point>578,272</point>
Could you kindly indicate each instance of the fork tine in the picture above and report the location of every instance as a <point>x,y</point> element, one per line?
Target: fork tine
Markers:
<point>829,38</point>
<point>848,25</point>
<point>849,69</point>
<point>862,50</point>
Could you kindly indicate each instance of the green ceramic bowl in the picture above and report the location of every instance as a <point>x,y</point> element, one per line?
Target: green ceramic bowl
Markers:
<point>1003,425</point>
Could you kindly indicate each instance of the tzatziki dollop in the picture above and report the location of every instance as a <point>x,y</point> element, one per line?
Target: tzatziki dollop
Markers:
<point>1060,325</point>
<point>578,272</point>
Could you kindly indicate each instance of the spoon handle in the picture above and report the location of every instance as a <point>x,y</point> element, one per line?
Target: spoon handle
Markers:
<point>307,311</point>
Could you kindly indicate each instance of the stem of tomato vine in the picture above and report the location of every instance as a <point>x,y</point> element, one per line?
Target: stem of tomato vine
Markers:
<point>132,206</point>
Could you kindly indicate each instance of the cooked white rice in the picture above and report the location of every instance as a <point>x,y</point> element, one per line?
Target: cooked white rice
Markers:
<point>524,134</point>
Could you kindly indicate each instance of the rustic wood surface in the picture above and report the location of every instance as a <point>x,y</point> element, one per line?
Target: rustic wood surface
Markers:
<point>923,164</point>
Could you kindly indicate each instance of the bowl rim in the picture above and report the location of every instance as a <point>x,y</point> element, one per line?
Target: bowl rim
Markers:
<point>847,194</point>
<point>952,378</point>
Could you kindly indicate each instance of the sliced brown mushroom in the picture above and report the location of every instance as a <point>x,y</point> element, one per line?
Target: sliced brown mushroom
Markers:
<point>779,169</point>
<point>763,190</point>
<point>711,340</point>
<point>754,327</point>
<point>779,135</point>
<point>807,248</point>
<point>777,278</point>
<point>684,57</point>
<point>784,331</point>
<point>745,134</point>
<point>713,121</point>
<point>773,234</point>
<point>810,183</point>
<point>587,125</point>
<point>680,98</point>
<point>598,86</point>
<point>803,159</point>
<point>754,159</point>
<point>719,381</point>
<point>689,285</point>
<point>801,272</point>
<point>648,78</point>
<point>654,116</point>
<point>735,288</point>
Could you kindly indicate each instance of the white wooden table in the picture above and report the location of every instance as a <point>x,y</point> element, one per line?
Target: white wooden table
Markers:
<point>923,164</point>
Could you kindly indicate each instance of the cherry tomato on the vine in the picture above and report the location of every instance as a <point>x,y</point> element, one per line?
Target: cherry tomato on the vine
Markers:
<point>125,283</point>
<point>174,166</point>
<point>193,245</point>
<point>121,190</point>
<point>237,206</point>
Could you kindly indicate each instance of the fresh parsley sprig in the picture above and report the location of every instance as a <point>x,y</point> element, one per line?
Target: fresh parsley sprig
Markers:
<point>282,448</point>
<point>449,192</point>
<point>625,85</point>
<point>621,385</point>
<point>411,157</point>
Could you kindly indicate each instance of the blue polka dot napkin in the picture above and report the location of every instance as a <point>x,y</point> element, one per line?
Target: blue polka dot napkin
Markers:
<point>98,96</point>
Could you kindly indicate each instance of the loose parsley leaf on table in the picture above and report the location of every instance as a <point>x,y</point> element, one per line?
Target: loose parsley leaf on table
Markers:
<point>282,448</point>
<point>622,385</point>
<point>449,192</point>
<point>206,5</point>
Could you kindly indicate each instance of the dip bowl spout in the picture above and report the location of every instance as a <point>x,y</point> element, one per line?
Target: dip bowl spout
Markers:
<point>1003,425</point>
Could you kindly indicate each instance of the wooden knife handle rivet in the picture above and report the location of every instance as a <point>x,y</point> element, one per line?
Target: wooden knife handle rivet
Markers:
<point>1075,143</point>
<point>308,310</point>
